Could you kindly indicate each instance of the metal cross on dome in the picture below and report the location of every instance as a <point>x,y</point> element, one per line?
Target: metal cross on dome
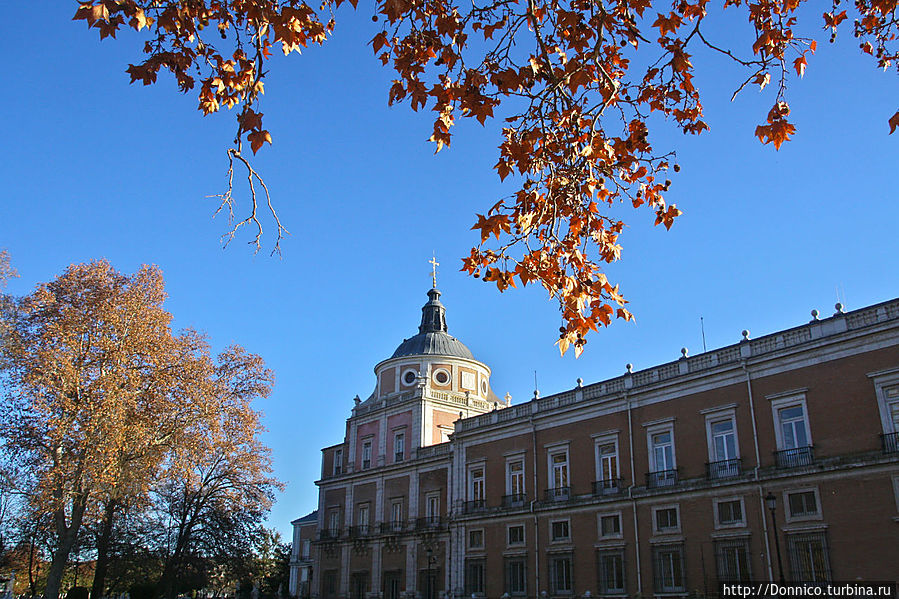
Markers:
<point>434,264</point>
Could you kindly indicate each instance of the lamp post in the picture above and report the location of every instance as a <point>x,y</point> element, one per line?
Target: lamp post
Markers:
<point>771,502</point>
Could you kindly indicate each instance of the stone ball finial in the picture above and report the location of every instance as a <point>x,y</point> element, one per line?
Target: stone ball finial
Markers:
<point>629,367</point>
<point>745,334</point>
<point>580,382</point>
<point>838,307</point>
<point>815,314</point>
<point>684,352</point>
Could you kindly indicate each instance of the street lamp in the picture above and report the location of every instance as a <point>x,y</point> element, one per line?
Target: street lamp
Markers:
<point>771,502</point>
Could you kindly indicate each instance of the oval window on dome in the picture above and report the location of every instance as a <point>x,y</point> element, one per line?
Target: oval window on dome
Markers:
<point>442,377</point>
<point>484,387</point>
<point>409,377</point>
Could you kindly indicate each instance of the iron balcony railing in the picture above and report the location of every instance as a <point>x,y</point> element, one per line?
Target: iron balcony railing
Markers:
<point>661,478</point>
<point>514,500</point>
<point>890,442</point>
<point>608,486</point>
<point>724,469</point>
<point>558,494</point>
<point>475,505</point>
<point>795,457</point>
<point>360,531</point>
<point>393,527</point>
<point>429,523</point>
<point>329,533</point>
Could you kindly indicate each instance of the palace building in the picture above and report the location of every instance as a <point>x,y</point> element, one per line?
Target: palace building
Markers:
<point>776,458</point>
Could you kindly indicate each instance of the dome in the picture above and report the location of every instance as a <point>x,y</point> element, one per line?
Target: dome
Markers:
<point>432,338</point>
<point>437,343</point>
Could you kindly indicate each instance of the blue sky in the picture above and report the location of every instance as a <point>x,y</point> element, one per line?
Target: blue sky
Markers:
<point>95,168</point>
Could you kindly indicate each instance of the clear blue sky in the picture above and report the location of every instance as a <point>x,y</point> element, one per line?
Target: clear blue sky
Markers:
<point>95,168</point>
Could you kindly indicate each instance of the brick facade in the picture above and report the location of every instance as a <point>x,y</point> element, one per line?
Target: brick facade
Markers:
<point>654,483</point>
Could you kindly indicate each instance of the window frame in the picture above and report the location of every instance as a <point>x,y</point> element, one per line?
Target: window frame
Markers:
<point>652,431</point>
<point>482,479</point>
<point>656,563</point>
<point>469,536</point>
<point>507,575</point>
<point>552,560</point>
<point>717,501</point>
<point>480,564</point>
<point>790,400</point>
<point>793,555</point>
<point>399,438</point>
<point>740,543</point>
<point>602,581</point>
<point>432,498</point>
<point>883,381</point>
<point>552,533</point>
<point>509,542</point>
<point>789,516</point>
<point>603,441</point>
<point>337,465</point>
<point>616,535</point>
<point>394,502</point>
<point>551,452</point>
<point>715,417</point>
<point>367,447</point>
<point>510,461</point>
<point>655,519</point>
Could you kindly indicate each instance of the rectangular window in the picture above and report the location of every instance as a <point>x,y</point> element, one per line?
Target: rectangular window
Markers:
<point>729,512</point>
<point>610,525</point>
<point>432,506</point>
<point>732,560</point>
<point>305,549</point>
<point>397,513</point>
<point>610,569</point>
<point>560,531</point>
<point>474,576</point>
<point>399,447</point>
<point>663,469</point>
<point>607,463</point>
<point>560,575</point>
<point>329,584</point>
<point>358,585</point>
<point>476,484</point>
<point>338,462</point>
<point>334,523</point>
<point>515,478</point>
<point>516,576</point>
<point>668,568</point>
<point>809,557</point>
<point>476,538</point>
<point>516,534</point>
<point>666,520</point>
<point>366,455</point>
<point>803,504</point>
<point>362,523</point>
<point>662,451</point>
<point>793,427</point>
<point>559,461</point>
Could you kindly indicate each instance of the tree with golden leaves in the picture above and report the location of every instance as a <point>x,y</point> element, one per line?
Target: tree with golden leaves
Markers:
<point>576,81</point>
<point>99,395</point>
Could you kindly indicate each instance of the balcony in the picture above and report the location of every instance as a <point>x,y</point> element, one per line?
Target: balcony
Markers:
<point>558,494</point>
<point>890,442</point>
<point>661,478</point>
<point>514,500</point>
<point>724,469</point>
<point>328,534</point>
<point>360,531</point>
<point>795,457</point>
<point>429,523</point>
<point>392,528</point>
<point>608,486</point>
<point>474,506</point>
